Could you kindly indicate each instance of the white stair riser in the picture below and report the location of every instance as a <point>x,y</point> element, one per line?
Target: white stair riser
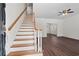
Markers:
<point>27,26</point>
<point>24,37</point>
<point>22,48</point>
<point>25,33</point>
<point>27,22</point>
<point>26,29</point>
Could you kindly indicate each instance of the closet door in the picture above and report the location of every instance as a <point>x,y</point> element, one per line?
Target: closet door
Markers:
<point>2,29</point>
<point>53,29</point>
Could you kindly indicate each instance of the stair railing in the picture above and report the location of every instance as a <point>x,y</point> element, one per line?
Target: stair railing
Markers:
<point>37,36</point>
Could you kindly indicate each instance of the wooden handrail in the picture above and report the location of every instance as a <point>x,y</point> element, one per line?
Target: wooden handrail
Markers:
<point>13,24</point>
<point>34,21</point>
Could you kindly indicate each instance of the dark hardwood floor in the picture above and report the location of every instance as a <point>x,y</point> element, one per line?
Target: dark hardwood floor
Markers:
<point>53,46</point>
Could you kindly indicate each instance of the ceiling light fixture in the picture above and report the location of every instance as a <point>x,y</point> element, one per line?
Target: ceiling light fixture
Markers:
<point>65,12</point>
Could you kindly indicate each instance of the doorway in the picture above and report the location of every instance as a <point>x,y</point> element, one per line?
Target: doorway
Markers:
<point>29,8</point>
<point>52,28</point>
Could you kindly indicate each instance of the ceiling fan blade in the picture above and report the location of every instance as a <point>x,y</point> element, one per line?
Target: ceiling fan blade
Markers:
<point>60,12</point>
<point>71,12</point>
<point>68,9</point>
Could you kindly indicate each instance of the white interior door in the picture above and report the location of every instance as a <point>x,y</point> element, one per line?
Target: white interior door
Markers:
<point>52,28</point>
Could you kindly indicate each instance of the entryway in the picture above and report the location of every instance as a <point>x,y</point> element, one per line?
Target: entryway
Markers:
<point>52,28</point>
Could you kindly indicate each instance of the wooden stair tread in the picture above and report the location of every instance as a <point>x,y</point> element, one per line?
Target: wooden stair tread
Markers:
<point>25,25</point>
<point>21,45</point>
<point>24,34</point>
<point>23,39</point>
<point>21,53</point>
<point>26,28</point>
<point>25,31</point>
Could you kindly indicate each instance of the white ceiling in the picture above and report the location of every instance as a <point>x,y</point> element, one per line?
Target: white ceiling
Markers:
<point>50,10</point>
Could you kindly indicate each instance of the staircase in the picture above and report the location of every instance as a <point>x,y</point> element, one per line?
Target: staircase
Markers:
<point>24,45</point>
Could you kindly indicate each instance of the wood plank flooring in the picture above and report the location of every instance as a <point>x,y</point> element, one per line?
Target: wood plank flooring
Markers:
<point>53,46</point>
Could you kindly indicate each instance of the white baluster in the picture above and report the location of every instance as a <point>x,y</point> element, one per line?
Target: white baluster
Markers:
<point>39,41</point>
<point>35,40</point>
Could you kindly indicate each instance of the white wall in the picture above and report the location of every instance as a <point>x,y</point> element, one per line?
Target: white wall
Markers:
<point>43,14</point>
<point>44,21</point>
<point>13,10</point>
<point>71,27</point>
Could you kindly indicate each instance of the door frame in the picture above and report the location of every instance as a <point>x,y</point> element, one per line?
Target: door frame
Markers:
<point>56,28</point>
